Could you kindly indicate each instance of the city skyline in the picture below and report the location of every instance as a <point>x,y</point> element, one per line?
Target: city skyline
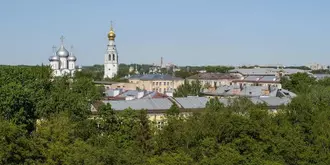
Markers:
<point>184,33</point>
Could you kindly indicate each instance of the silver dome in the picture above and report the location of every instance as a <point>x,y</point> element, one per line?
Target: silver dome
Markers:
<point>72,58</point>
<point>54,58</point>
<point>62,52</point>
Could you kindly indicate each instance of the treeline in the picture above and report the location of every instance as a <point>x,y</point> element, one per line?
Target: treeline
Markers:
<point>47,120</point>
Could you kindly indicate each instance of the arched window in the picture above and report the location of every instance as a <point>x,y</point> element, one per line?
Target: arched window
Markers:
<point>113,57</point>
<point>109,57</point>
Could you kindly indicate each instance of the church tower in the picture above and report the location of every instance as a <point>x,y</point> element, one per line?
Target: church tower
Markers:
<point>111,56</point>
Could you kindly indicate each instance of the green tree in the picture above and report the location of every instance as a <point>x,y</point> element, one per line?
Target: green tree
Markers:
<point>188,89</point>
<point>214,104</point>
<point>173,111</point>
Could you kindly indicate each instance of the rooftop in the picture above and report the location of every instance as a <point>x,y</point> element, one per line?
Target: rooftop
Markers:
<point>154,77</point>
<point>266,71</point>
<point>213,76</point>
<point>265,79</point>
<point>250,91</point>
<point>163,104</point>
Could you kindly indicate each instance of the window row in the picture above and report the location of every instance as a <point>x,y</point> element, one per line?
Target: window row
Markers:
<point>161,90</point>
<point>161,83</point>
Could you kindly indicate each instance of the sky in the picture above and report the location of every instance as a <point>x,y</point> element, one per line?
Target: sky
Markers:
<point>183,32</point>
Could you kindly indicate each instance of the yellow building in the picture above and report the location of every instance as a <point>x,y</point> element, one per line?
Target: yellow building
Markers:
<point>156,82</point>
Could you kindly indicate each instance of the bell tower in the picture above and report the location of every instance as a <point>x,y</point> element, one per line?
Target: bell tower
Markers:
<point>111,56</point>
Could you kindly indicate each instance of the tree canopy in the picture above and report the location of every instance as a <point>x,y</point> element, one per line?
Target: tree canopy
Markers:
<point>46,120</point>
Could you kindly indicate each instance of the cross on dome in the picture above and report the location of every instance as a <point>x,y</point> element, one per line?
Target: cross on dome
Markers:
<point>62,39</point>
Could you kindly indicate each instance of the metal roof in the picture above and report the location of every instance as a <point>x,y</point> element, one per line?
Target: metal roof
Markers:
<point>138,104</point>
<point>269,78</point>
<point>192,102</point>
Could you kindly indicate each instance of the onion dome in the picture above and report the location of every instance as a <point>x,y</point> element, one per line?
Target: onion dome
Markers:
<point>62,52</point>
<point>111,34</point>
<point>54,58</point>
<point>72,58</point>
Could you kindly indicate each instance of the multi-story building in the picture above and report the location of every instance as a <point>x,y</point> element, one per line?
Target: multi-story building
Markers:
<point>213,79</point>
<point>156,82</point>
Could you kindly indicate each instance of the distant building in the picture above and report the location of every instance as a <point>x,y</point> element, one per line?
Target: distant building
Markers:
<point>62,62</point>
<point>266,72</point>
<point>316,66</point>
<point>121,94</point>
<point>273,81</point>
<point>214,79</point>
<point>249,91</point>
<point>156,82</point>
<point>116,85</point>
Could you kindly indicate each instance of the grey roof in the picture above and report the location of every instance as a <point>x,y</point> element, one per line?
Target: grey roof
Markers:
<point>252,91</point>
<point>129,93</point>
<point>186,102</point>
<point>275,101</point>
<point>154,77</point>
<point>269,78</point>
<point>252,78</point>
<point>192,102</point>
<point>138,104</point>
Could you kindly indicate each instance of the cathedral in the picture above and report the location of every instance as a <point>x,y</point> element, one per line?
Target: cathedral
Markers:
<point>63,62</point>
<point>111,56</point>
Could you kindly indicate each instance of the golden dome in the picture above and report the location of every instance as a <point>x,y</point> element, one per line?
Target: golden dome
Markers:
<point>111,34</point>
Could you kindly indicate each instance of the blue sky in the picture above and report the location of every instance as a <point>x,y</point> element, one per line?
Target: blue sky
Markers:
<point>185,32</point>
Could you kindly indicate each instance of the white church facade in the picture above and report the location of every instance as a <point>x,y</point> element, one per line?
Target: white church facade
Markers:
<point>63,62</point>
<point>111,56</point>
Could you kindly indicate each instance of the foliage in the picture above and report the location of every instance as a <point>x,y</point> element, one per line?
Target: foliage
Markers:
<point>188,89</point>
<point>218,69</point>
<point>173,111</point>
<point>46,120</point>
<point>299,83</point>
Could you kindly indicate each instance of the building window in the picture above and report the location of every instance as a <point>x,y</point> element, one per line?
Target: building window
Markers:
<point>156,83</point>
<point>109,57</point>
<point>164,83</point>
<point>168,83</point>
<point>153,83</point>
<point>113,57</point>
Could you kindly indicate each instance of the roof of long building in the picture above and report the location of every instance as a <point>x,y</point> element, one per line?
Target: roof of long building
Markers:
<point>193,102</point>
<point>213,76</point>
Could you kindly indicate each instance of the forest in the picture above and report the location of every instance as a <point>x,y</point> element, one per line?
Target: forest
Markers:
<point>47,120</point>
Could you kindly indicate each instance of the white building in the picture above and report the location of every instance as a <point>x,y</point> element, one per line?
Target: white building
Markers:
<point>111,56</point>
<point>62,62</point>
